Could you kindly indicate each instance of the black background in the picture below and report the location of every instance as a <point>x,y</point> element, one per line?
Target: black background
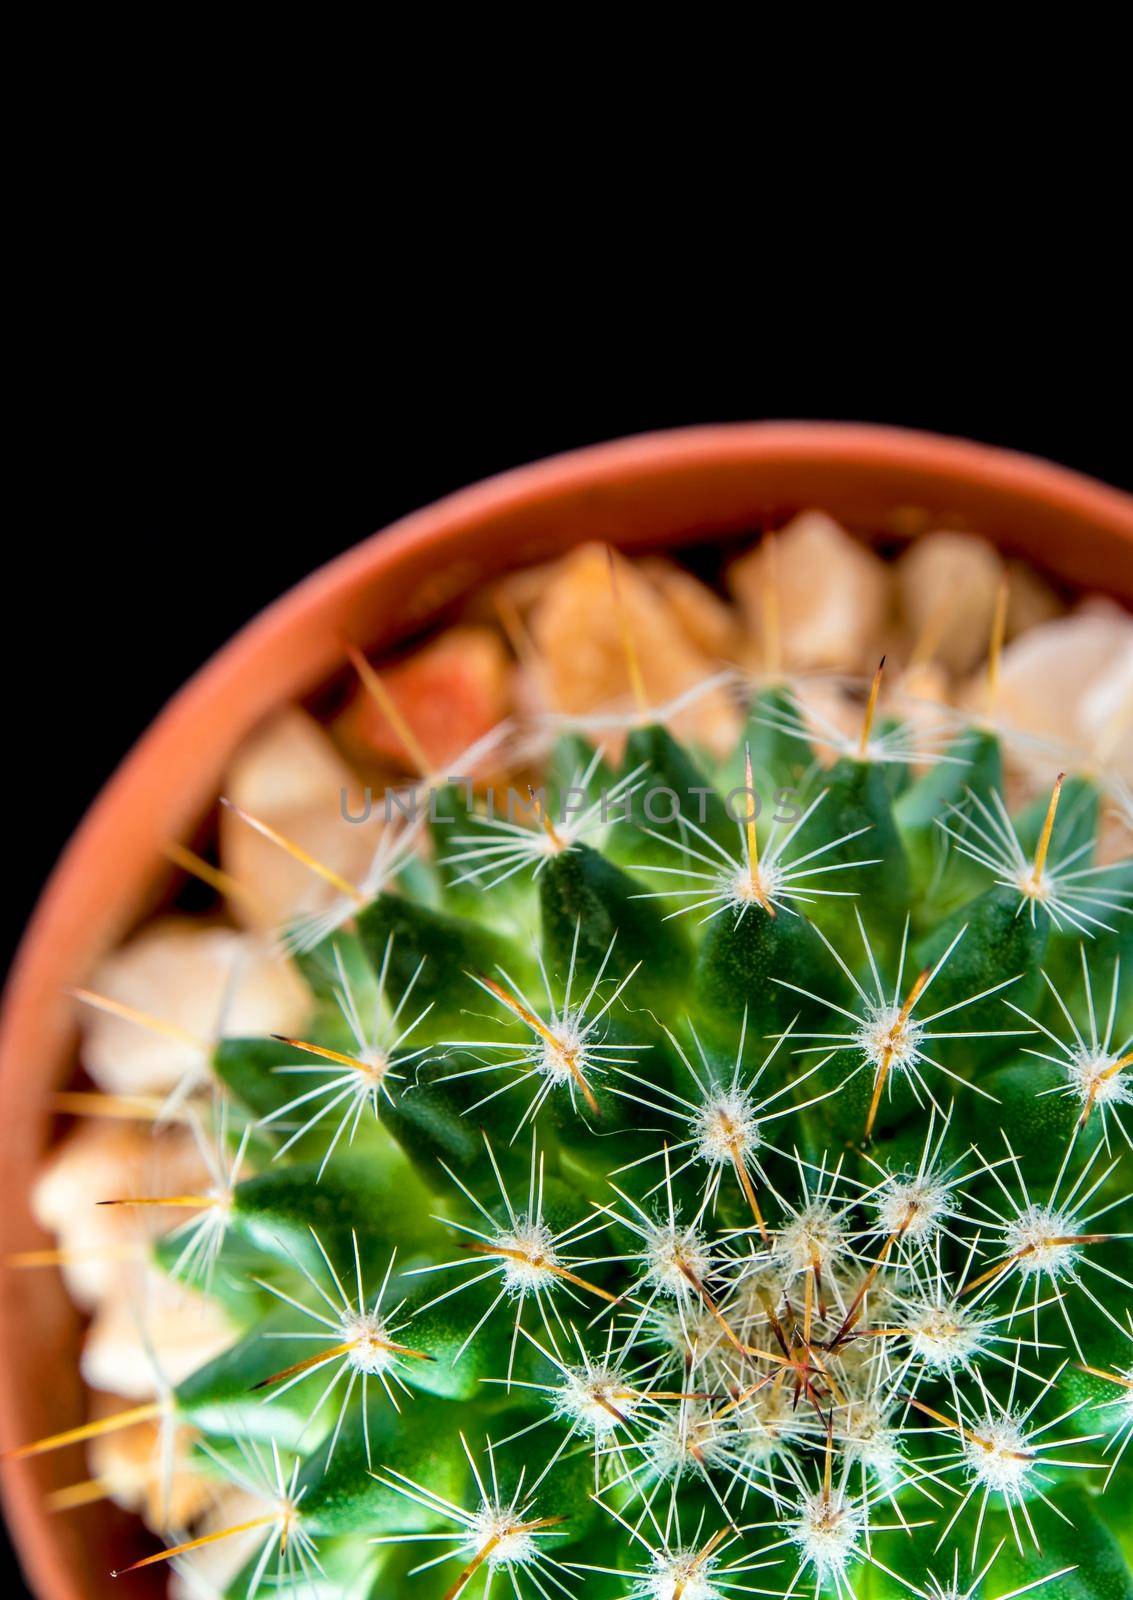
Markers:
<point>183,483</point>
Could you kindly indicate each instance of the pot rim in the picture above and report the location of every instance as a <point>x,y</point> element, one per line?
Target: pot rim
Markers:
<point>99,884</point>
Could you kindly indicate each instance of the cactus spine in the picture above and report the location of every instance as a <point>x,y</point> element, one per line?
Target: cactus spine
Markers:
<point>682,1193</point>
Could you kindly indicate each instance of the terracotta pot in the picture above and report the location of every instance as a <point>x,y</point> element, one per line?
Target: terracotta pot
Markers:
<point>660,489</point>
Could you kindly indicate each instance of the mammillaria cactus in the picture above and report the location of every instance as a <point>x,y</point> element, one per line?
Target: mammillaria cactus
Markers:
<point>702,1178</point>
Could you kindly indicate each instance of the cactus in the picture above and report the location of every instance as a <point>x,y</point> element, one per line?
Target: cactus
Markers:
<point>714,1182</point>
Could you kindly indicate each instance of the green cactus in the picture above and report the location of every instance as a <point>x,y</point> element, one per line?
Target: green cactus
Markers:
<point>675,1203</point>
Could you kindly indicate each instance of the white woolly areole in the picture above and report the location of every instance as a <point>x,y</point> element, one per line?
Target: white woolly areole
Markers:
<point>884,1038</point>
<point>680,1575</point>
<point>1030,1236</point>
<point>1032,885</point>
<point>865,1437</point>
<point>686,1436</point>
<point>534,1253</point>
<point>594,1399</point>
<point>939,1589</point>
<point>375,1065</point>
<point>726,1128</point>
<point>813,1238</point>
<point>944,1337</point>
<point>672,1253</point>
<point>512,1545</point>
<point>768,882</point>
<point>770,1423</point>
<point>368,1353</point>
<point>826,1532</point>
<point>996,1455</point>
<point>688,1333</point>
<point>1094,1080</point>
<point>565,1057</point>
<point>912,1205</point>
